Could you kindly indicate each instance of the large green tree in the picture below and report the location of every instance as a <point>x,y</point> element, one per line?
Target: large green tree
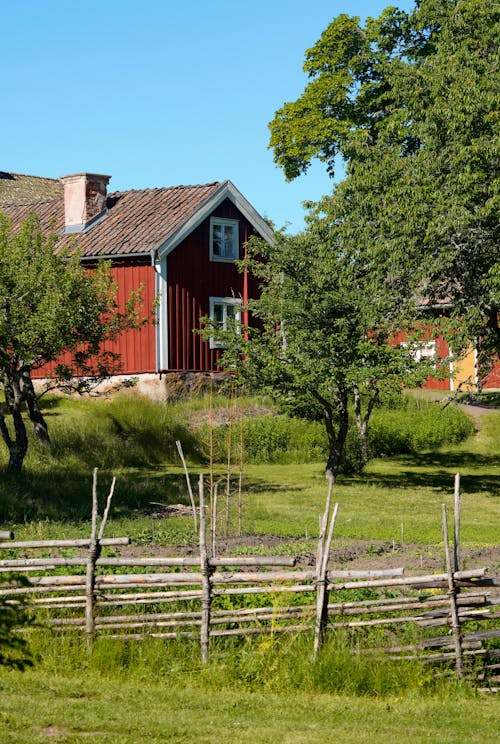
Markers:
<point>49,304</point>
<point>323,333</point>
<point>409,101</point>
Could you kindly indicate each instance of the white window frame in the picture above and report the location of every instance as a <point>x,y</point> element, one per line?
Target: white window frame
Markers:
<point>222,222</point>
<point>225,302</point>
<point>421,351</point>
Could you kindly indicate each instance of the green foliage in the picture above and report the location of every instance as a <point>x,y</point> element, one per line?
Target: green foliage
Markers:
<point>50,304</point>
<point>404,425</point>
<point>271,439</point>
<point>320,345</point>
<point>14,650</point>
<point>410,103</point>
<point>417,427</point>
<point>126,431</point>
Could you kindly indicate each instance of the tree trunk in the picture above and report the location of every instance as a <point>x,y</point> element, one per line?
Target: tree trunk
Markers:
<point>362,422</point>
<point>19,445</point>
<point>36,417</point>
<point>337,435</point>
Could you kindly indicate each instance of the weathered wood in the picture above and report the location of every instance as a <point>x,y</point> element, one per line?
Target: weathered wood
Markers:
<point>90,573</point>
<point>456,527</point>
<point>429,580</point>
<point>106,510</point>
<point>205,578</point>
<point>6,535</point>
<point>48,563</point>
<point>188,483</point>
<point>77,543</point>
<point>455,622</point>
<point>213,520</point>
<point>321,580</point>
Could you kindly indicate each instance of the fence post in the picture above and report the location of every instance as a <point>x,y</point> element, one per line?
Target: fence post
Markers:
<point>321,571</point>
<point>456,530</point>
<point>91,563</point>
<point>205,578</point>
<point>452,593</point>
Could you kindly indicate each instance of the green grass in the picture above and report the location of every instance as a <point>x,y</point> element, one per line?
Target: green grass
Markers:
<point>78,707</point>
<point>52,496</point>
<point>260,691</point>
<point>250,691</point>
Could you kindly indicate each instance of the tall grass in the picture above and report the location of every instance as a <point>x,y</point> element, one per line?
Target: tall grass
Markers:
<point>274,663</point>
<point>406,425</point>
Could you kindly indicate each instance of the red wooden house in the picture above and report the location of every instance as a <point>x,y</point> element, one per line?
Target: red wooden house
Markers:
<point>179,243</point>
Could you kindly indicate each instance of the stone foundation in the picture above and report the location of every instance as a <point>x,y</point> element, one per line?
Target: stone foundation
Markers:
<point>167,386</point>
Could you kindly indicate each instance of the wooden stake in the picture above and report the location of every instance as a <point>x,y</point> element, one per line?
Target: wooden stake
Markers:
<point>452,593</point>
<point>321,572</point>
<point>240,478</point>
<point>456,530</point>
<point>188,483</point>
<point>91,561</point>
<point>106,511</point>
<point>214,521</point>
<point>205,578</point>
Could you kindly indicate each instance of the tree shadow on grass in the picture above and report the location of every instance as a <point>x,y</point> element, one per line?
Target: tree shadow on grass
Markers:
<point>439,480</point>
<point>432,470</point>
<point>67,496</point>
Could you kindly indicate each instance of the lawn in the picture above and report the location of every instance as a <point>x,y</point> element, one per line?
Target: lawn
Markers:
<point>128,696</point>
<point>76,708</point>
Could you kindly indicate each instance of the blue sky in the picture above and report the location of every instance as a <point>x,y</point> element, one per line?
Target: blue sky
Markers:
<point>160,93</point>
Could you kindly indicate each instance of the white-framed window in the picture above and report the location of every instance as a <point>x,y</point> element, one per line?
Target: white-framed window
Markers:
<point>224,239</point>
<point>422,352</point>
<point>223,312</point>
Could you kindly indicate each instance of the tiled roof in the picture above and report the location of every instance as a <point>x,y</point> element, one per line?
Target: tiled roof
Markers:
<point>136,222</point>
<point>16,188</point>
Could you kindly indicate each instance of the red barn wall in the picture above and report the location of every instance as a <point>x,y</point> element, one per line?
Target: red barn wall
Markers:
<point>442,351</point>
<point>136,347</point>
<point>192,279</point>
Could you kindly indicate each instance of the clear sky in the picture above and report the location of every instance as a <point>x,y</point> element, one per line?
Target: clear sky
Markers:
<point>161,92</point>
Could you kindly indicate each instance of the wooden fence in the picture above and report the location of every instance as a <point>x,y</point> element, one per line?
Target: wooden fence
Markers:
<point>187,597</point>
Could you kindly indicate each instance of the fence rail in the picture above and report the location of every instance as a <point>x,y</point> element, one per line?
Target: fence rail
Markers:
<point>180,597</point>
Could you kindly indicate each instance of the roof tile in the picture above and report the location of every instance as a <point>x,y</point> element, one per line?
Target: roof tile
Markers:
<point>137,222</point>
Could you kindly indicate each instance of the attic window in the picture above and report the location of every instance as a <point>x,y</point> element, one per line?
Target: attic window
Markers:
<point>224,239</point>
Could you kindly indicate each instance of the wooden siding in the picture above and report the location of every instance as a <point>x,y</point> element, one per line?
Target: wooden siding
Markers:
<point>136,347</point>
<point>192,279</point>
<point>442,352</point>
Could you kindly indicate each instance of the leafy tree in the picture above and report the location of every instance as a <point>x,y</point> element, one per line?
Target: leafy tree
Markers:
<point>49,305</point>
<point>325,323</point>
<point>410,102</point>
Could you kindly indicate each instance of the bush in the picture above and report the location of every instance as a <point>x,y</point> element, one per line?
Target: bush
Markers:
<point>14,651</point>
<point>271,439</point>
<point>416,426</point>
<point>405,425</point>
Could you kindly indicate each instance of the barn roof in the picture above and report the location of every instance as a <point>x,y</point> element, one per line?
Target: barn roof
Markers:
<point>16,188</point>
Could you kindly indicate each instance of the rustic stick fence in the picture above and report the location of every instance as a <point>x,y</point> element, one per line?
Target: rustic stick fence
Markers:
<point>180,597</point>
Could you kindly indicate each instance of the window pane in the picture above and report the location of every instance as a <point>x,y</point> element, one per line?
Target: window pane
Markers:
<point>217,240</point>
<point>229,242</point>
<point>218,314</point>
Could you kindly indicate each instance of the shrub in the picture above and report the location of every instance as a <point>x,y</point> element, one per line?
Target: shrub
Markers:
<point>405,425</point>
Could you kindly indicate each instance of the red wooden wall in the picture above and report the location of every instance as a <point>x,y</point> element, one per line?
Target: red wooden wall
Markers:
<point>192,279</point>
<point>136,347</point>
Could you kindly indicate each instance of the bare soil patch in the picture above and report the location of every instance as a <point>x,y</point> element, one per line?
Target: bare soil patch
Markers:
<point>345,554</point>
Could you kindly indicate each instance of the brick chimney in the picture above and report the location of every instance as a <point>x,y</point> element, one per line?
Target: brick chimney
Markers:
<point>84,199</point>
